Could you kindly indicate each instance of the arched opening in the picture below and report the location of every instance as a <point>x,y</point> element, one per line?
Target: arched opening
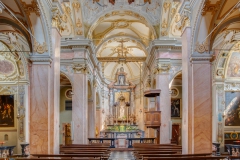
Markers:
<point>66,92</point>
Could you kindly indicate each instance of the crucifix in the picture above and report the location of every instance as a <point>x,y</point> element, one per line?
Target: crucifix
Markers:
<point>124,53</point>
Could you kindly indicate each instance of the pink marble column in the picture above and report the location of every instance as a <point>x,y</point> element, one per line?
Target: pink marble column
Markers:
<point>162,83</point>
<point>186,93</point>
<point>40,109</point>
<point>55,92</point>
<point>197,99</point>
<point>91,116</point>
<point>44,100</point>
<point>80,105</point>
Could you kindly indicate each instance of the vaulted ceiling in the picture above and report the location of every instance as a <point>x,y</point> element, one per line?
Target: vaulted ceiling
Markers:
<point>126,29</point>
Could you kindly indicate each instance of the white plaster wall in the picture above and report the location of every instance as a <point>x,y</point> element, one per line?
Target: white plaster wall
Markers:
<point>65,116</point>
<point>12,139</point>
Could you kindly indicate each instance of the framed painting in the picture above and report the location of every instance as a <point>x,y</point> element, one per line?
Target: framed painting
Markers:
<point>6,111</point>
<point>176,108</point>
<point>232,109</point>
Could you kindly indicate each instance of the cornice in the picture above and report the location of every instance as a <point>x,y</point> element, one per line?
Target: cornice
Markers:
<point>195,58</point>
<point>41,60</point>
<point>68,44</point>
<point>119,59</point>
<point>169,45</point>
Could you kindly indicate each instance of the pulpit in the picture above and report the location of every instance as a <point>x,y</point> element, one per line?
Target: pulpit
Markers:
<point>153,118</point>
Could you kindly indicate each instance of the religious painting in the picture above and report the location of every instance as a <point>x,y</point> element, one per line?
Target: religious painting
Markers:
<point>176,108</point>
<point>126,95</point>
<point>233,69</point>
<point>232,109</point>
<point>6,111</point>
<point>121,80</point>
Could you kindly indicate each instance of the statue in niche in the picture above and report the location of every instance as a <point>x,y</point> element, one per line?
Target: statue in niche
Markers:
<point>121,80</point>
<point>111,119</point>
<point>121,112</point>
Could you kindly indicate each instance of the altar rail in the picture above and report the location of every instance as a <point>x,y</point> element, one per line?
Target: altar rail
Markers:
<point>140,140</point>
<point>101,140</point>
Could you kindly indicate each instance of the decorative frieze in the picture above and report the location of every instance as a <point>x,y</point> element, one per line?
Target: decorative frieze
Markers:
<point>162,68</point>
<point>80,68</point>
<point>232,86</point>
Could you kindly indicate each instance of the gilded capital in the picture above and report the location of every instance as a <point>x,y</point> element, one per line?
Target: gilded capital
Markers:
<point>162,68</point>
<point>184,20</point>
<point>80,68</point>
<point>58,20</point>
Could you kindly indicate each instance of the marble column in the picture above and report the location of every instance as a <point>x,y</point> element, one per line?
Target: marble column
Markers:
<point>91,119</point>
<point>132,110</point>
<point>186,92</point>
<point>92,114</point>
<point>197,99</point>
<point>162,83</point>
<point>111,102</point>
<point>55,92</point>
<point>80,104</point>
<point>98,120</point>
<point>44,100</point>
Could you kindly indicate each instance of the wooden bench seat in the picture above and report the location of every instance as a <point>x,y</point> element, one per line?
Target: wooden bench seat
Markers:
<point>61,158</point>
<point>186,158</point>
<point>92,155</point>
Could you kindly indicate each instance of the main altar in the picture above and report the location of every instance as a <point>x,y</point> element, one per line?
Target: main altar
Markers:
<point>121,121</point>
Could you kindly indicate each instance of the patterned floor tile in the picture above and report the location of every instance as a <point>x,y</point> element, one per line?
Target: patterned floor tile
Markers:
<point>121,155</point>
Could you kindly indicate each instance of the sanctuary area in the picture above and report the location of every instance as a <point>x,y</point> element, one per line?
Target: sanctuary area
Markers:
<point>129,75</point>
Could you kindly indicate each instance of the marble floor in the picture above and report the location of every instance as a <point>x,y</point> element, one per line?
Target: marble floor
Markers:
<point>121,155</point>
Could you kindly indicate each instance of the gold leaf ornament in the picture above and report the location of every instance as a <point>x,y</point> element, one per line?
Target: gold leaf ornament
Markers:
<point>37,47</point>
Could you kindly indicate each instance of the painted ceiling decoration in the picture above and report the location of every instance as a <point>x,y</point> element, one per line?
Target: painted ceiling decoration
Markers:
<point>122,30</point>
<point>151,10</point>
<point>113,2</point>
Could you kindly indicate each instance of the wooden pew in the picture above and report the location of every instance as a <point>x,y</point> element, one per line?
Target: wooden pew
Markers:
<point>32,158</point>
<point>186,158</point>
<point>82,155</point>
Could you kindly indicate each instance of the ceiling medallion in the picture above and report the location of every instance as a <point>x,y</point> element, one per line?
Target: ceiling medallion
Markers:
<point>121,24</point>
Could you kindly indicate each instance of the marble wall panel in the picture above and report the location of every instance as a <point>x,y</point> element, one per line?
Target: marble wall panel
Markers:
<point>39,109</point>
<point>202,108</point>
